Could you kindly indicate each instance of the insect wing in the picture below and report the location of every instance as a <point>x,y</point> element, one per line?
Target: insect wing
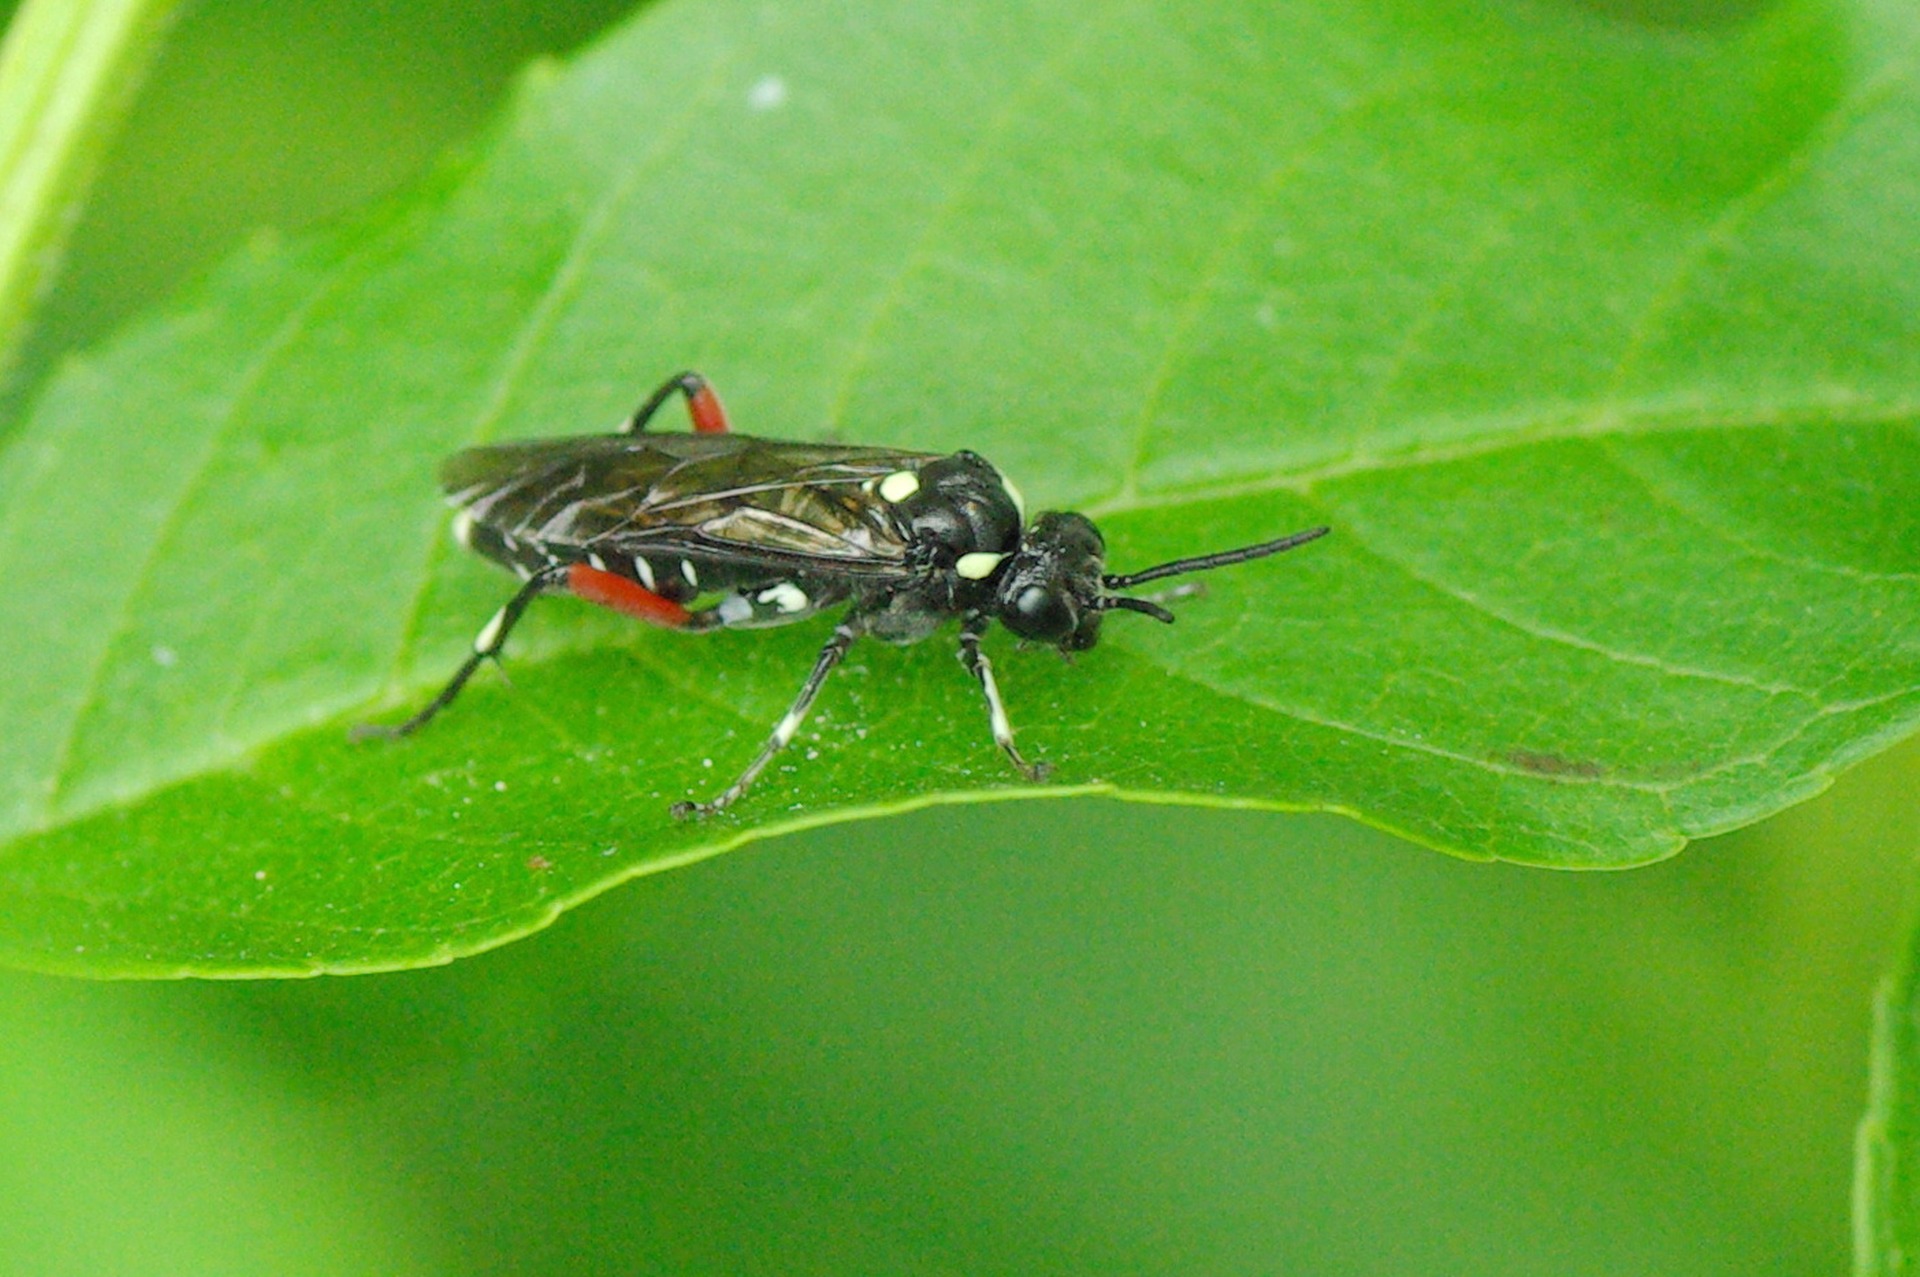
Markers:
<point>720,496</point>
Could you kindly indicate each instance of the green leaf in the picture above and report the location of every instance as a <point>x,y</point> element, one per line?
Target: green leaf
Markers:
<point>1598,347</point>
<point>1886,1190</point>
<point>130,1147</point>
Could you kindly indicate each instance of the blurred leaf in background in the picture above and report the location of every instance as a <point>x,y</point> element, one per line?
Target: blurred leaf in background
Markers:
<point>132,1144</point>
<point>282,116</point>
<point>1092,1039</point>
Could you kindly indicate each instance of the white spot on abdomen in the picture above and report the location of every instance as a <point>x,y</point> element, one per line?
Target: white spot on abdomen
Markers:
<point>643,570</point>
<point>786,596</point>
<point>463,529</point>
<point>686,570</point>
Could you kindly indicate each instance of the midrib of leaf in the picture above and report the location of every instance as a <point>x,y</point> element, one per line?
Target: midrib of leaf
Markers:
<point>1674,837</point>
<point>1506,433</point>
<point>1545,633</point>
<point>1658,788</point>
<point>1386,824</point>
<point>1662,789</point>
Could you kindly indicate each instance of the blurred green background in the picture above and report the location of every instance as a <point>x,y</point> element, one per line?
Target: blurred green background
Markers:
<point>1047,1037</point>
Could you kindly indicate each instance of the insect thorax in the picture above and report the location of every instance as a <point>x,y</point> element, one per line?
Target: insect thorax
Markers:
<point>961,520</point>
<point>959,505</point>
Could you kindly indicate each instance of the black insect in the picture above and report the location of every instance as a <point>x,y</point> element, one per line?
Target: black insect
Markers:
<point>647,523</point>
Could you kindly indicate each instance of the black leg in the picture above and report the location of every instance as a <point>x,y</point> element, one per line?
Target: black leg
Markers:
<point>703,405</point>
<point>486,645</point>
<point>982,669</point>
<point>783,732</point>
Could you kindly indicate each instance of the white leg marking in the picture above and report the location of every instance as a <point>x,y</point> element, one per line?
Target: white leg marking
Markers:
<point>489,635</point>
<point>982,668</point>
<point>787,727</point>
<point>996,712</point>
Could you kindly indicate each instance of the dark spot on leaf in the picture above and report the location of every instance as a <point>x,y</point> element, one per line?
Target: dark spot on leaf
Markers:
<point>1555,764</point>
<point>539,864</point>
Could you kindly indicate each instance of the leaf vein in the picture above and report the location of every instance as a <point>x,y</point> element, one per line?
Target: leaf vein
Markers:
<point>1507,436</point>
<point>967,175</point>
<point>227,419</point>
<point>1723,230</point>
<point>1666,496</point>
<point>1553,634</point>
<point>1226,243</point>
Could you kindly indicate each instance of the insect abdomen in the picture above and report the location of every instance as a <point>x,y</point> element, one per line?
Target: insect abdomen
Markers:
<point>675,578</point>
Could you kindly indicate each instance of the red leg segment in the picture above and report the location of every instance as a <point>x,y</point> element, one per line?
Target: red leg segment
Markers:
<point>624,596</point>
<point>709,418</point>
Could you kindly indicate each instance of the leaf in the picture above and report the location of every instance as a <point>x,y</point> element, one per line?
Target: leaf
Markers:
<point>201,1161</point>
<point>67,69</point>
<point>1597,346</point>
<point>1886,1196</point>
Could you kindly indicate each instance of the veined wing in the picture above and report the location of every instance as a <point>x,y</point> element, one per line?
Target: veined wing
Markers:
<point>730,497</point>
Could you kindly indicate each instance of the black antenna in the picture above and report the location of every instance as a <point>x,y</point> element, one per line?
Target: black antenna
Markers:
<point>1201,564</point>
<point>1146,607</point>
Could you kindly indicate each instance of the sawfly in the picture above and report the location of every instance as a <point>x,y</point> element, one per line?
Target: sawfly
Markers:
<point>715,530</point>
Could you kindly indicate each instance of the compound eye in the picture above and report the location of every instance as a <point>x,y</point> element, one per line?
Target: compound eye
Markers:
<point>1040,613</point>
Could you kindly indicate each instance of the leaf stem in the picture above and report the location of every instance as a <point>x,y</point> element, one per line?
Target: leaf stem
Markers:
<point>68,69</point>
